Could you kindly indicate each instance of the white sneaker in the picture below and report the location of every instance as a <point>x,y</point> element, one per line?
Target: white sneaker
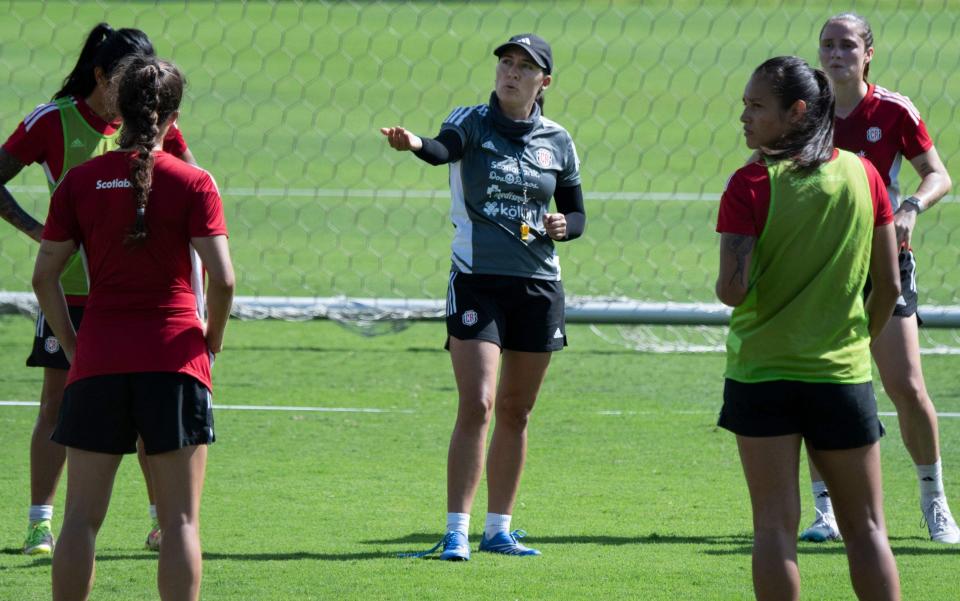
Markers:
<point>823,529</point>
<point>940,523</point>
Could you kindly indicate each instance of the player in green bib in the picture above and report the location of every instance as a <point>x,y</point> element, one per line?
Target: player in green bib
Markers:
<point>801,229</point>
<point>76,125</point>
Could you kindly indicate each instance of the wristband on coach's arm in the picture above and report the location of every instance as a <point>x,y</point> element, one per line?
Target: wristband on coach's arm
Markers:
<point>913,201</point>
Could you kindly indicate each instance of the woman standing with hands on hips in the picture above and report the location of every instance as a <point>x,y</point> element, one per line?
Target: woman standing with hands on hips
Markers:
<point>885,128</point>
<point>800,230</point>
<point>140,365</point>
<point>505,301</point>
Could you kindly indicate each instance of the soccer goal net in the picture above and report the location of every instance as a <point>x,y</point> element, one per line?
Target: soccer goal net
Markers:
<point>285,99</point>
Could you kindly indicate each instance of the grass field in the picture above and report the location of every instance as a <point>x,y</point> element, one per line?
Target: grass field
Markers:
<point>285,99</point>
<point>631,491</point>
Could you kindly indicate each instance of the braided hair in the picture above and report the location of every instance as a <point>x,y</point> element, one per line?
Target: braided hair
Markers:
<point>105,47</point>
<point>810,142</point>
<point>148,91</point>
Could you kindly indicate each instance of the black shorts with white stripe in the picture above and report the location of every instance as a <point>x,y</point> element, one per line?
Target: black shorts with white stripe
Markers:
<point>515,313</point>
<point>908,301</point>
<point>46,348</point>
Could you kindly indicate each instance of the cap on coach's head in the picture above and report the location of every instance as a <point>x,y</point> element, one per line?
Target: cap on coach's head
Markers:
<point>532,44</point>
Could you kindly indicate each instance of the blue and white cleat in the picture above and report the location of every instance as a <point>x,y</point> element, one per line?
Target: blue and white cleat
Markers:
<point>455,548</point>
<point>823,529</point>
<point>506,543</point>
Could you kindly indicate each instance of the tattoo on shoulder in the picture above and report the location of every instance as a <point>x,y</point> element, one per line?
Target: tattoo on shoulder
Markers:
<point>9,166</point>
<point>740,246</point>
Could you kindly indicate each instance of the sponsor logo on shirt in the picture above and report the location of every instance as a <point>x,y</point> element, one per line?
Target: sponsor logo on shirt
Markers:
<point>113,183</point>
<point>488,145</point>
<point>507,210</point>
<point>469,317</point>
<point>874,134</point>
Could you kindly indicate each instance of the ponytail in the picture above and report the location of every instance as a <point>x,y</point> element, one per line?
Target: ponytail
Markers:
<point>809,143</point>
<point>148,93</point>
<point>104,48</point>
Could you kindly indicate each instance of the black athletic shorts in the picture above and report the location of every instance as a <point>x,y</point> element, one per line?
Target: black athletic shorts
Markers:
<point>907,302</point>
<point>828,416</point>
<point>104,414</point>
<point>46,348</point>
<point>517,314</point>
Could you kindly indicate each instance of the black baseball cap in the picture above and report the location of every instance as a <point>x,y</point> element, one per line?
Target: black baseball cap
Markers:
<point>534,45</point>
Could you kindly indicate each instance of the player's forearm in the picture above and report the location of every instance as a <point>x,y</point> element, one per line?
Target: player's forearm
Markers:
<point>219,303</point>
<point>13,213</point>
<point>934,186</point>
<point>53,305</point>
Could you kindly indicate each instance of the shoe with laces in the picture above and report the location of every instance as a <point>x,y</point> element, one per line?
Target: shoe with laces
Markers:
<point>506,543</point>
<point>940,523</point>
<point>153,537</point>
<point>39,539</point>
<point>454,544</point>
<point>823,529</point>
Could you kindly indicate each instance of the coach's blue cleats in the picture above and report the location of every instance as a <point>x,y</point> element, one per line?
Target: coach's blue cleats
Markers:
<point>506,543</point>
<point>455,547</point>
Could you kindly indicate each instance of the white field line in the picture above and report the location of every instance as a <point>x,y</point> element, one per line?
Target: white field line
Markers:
<point>411,411</point>
<point>434,194</point>
<point>254,408</point>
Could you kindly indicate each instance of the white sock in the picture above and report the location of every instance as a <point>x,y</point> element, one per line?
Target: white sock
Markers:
<point>458,522</point>
<point>153,512</point>
<point>821,497</point>
<point>41,512</point>
<point>496,522</point>
<point>931,482</point>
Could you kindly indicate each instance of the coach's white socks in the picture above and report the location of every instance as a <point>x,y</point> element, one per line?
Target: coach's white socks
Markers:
<point>496,522</point>
<point>458,522</point>
<point>41,512</point>
<point>821,497</point>
<point>931,482</point>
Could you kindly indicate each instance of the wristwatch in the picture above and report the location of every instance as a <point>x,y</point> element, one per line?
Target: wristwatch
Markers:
<point>913,200</point>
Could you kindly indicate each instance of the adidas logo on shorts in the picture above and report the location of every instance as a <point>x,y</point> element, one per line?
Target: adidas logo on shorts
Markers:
<point>558,334</point>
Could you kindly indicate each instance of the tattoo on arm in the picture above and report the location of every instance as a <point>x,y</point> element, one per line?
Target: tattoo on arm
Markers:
<point>925,168</point>
<point>741,247</point>
<point>10,210</point>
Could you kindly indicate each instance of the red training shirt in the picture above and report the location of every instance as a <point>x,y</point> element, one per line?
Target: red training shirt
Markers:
<point>142,311</point>
<point>39,137</point>
<point>746,200</point>
<point>885,127</point>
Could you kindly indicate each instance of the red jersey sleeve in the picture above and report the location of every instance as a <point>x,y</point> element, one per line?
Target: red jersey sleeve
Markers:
<point>882,210</point>
<point>61,224</point>
<point>914,138</point>
<point>206,211</point>
<point>28,143</point>
<point>173,142</point>
<point>745,202</point>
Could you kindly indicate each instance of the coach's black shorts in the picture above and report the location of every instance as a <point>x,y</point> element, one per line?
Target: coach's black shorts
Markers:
<point>517,314</point>
<point>46,348</point>
<point>907,302</point>
<point>105,413</point>
<point>828,416</point>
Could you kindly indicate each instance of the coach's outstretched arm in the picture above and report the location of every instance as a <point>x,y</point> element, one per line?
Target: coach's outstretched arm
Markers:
<point>733,283</point>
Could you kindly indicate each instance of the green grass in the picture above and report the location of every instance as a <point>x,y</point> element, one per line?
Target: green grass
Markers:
<point>289,97</point>
<point>647,504</point>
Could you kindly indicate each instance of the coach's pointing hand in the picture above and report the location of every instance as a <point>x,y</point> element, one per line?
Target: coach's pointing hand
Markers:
<point>401,139</point>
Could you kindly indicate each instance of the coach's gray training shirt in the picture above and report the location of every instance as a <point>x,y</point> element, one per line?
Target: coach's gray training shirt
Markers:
<point>501,183</point>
